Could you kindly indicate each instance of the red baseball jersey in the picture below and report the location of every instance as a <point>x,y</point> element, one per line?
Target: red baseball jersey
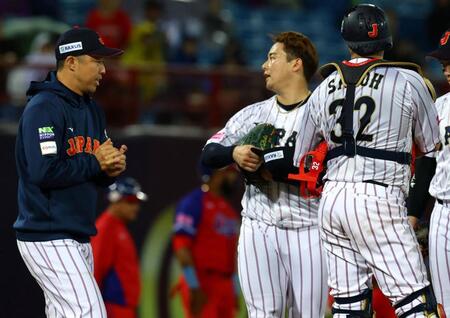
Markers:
<point>115,30</point>
<point>116,266</point>
<point>209,226</point>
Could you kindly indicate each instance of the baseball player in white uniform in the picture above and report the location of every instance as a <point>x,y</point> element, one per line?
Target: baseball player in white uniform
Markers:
<point>280,260</point>
<point>439,235</point>
<point>370,112</point>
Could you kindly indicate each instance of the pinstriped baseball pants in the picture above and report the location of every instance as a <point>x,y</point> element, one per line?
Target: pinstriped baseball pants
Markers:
<point>366,232</point>
<point>281,269</point>
<point>439,248</point>
<point>64,271</point>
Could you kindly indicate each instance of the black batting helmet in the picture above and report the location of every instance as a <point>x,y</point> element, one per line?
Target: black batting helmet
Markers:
<point>365,29</point>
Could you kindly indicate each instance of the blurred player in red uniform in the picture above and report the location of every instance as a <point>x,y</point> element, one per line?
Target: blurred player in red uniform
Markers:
<point>116,263</point>
<point>111,22</point>
<point>205,243</point>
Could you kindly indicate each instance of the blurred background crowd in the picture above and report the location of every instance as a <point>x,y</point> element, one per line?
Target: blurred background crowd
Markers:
<point>191,62</point>
<point>188,66</point>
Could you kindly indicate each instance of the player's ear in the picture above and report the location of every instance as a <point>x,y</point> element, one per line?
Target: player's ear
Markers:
<point>297,64</point>
<point>71,62</point>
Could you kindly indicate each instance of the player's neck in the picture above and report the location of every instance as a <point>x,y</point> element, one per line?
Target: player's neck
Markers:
<point>293,96</point>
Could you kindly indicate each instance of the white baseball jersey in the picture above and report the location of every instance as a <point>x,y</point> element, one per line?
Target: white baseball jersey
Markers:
<point>384,117</point>
<point>439,239</point>
<point>363,226</point>
<point>440,184</point>
<point>273,203</point>
<point>64,269</point>
<point>280,260</point>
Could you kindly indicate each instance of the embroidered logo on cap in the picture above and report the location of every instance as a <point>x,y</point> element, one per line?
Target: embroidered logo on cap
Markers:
<point>445,38</point>
<point>69,47</point>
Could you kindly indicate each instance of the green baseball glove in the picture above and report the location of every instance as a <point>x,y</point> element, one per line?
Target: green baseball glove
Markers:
<point>263,136</point>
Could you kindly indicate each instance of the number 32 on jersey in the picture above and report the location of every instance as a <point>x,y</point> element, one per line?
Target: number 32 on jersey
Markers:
<point>365,105</point>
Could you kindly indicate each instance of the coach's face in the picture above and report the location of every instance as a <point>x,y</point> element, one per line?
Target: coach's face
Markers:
<point>277,69</point>
<point>88,73</point>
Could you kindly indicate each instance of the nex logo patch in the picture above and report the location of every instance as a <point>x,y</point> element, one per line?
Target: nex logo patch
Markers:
<point>45,130</point>
<point>374,33</point>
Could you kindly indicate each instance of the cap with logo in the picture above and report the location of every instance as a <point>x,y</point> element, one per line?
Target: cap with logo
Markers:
<point>443,52</point>
<point>80,41</point>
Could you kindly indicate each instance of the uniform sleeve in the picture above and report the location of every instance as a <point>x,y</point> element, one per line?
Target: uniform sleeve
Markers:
<point>309,135</point>
<point>418,192</point>
<point>236,128</point>
<point>426,125</point>
<point>103,247</point>
<point>43,141</point>
<point>187,219</point>
<point>218,151</point>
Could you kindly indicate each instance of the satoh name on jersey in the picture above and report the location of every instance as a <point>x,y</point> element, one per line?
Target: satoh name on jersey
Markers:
<point>371,78</point>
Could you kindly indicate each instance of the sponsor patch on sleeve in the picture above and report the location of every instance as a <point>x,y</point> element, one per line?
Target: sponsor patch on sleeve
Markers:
<point>48,148</point>
<point>46,133</point>
<point>218,136</point>
<point>275,155</point>
<point>184,223</point>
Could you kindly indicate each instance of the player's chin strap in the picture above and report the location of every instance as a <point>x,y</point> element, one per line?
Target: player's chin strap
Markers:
<point>428,304</point>
<point>364,300</point>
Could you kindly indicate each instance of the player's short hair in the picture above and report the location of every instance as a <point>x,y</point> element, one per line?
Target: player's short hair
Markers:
<point>297,45</point>
<point>59,64</point>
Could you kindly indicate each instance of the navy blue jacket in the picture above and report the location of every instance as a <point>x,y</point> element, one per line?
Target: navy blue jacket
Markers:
<point>58,172</point>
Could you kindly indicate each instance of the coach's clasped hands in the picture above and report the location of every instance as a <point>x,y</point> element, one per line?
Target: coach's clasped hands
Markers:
<point>112,160</point>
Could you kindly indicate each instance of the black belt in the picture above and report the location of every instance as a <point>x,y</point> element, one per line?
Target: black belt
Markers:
<point>376,182</point>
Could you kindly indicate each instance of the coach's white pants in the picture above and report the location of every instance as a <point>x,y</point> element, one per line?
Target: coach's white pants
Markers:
<point>439,248</point>
<point>365,231</point>
<point>64,271</point>
<point>281,268</point>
